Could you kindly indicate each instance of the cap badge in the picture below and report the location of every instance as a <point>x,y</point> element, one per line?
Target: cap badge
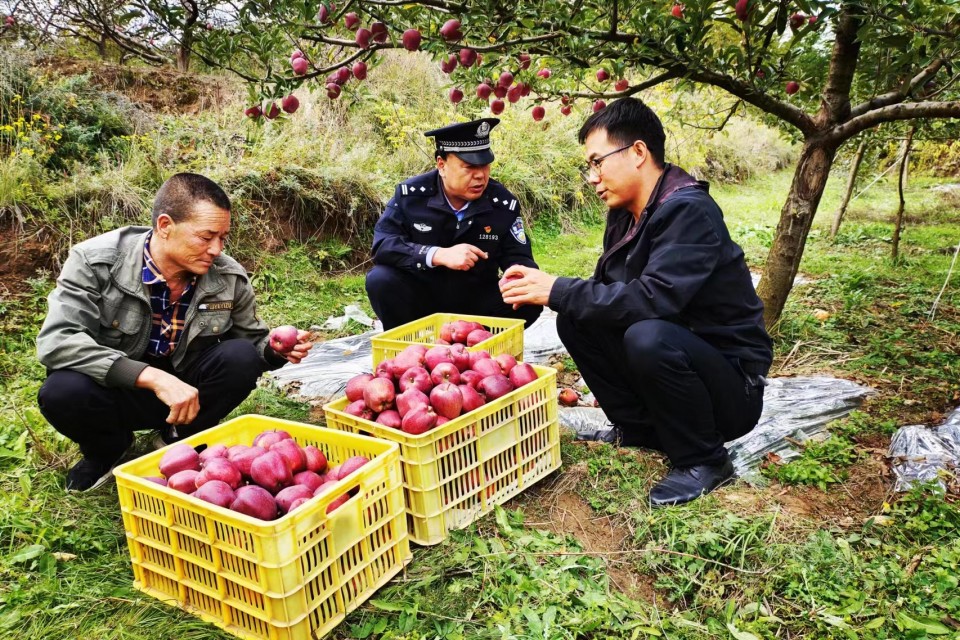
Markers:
<point>483,130</point>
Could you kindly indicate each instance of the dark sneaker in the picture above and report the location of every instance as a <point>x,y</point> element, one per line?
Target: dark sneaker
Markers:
<point>90,473</point>
<point>684,484</point>
<point>609,433</point>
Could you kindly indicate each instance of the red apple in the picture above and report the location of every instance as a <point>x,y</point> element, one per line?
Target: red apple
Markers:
<point>446,400</point>
<point>290,104</point>
<point>514,93</point>
<point>538,113</point>
<point>351,20</point>
<point>323,14</point>
<point>565,110</point>
<point>500,92</point>
<point>333,90</point>
<point>445,372</point>
<point>450,31</point>
<point>622,84</point>
<point>524,61</point>
<point>363,37</point>
<point>296,54</point>
<point>483,92</point>
<point>300,66</point>
<point>742,10</point>
<point>599,104</point>
<point>792,87</point>
<point>448,65</point>
<point>797,20</point>
<point>411,39</point>
<point>677,11</point>
<point>456,95</point>
<point>602,75</point>
<point>568,397</point>
<point>284,338</point>
<point>467,57</point>
<point>544,73</point>
<point>343,75</point>
<point>379,31</point>
<point>253,112</point>
<point>506,79</point>
<point>419,420</point>
<point>359,70</point>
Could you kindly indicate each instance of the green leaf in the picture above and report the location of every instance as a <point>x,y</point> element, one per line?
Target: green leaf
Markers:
<point>27,553</point>
<point>383,605</point>
<point>922,623</point>
<point>740,635</point>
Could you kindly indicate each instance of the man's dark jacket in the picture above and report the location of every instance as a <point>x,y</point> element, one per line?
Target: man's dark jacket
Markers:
<point>676,263</point>
<point>418,218</point>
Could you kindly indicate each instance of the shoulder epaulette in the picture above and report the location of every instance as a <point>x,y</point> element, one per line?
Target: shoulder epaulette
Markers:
<point>423,185</point>
<point>501,197</point>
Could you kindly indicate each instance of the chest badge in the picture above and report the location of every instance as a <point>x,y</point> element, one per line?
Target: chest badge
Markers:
<point>419,226</point>
<point>516,230</point>
<point>486,229</point>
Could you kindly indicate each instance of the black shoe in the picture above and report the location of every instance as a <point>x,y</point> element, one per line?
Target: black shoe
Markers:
<point>684,484</point>
<point>610,433</point>
<point>90,473</point>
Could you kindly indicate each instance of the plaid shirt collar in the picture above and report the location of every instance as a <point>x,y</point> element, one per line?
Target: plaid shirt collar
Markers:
<point>169,317</point>
<point>151,273</point>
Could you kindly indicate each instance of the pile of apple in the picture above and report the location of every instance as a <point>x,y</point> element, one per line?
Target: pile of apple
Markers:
<point>267,480</point>
<point>463,332</point>
<point>422,388</point>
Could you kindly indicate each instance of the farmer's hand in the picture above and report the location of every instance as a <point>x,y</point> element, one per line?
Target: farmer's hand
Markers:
<point>299,351</point>
<point>183,400</point>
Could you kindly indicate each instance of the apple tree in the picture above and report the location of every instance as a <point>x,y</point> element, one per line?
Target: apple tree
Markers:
<point>825,70</point>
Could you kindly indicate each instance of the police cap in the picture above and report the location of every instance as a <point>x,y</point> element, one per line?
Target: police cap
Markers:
<point>469,141</point>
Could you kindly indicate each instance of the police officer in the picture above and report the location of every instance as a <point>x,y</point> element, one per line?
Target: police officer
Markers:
<point>447,234</point>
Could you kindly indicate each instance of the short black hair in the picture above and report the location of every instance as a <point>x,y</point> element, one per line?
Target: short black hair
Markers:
<point>178,195</point>
<point>626,121</point>
<point>440,153</point>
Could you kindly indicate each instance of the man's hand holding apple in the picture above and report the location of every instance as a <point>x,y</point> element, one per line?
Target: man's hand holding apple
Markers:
<point>524,285</point>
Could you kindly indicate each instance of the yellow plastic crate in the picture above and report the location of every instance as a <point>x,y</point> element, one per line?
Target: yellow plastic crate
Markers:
<point>294,578</point>
<point>507,335</point>
<point>457,472</point>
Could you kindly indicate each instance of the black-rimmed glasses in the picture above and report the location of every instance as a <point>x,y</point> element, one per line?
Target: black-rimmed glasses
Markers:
<point>594,165</point>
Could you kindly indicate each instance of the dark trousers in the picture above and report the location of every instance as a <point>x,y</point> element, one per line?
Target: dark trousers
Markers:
<point>666,388</point>
<point>101,420</point>
<point>398,296</point>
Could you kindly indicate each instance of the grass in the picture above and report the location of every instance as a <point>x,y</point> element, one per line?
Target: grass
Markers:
<point>798,559</point>
<point>824,552</point>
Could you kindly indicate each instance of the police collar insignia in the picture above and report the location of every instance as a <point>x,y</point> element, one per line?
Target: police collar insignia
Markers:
<point>419,226</point>
<point>516,230</point>
<point>483,130</point>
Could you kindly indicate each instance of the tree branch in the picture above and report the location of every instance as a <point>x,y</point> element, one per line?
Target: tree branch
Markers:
<point>835,104</point>
<point>893,113</point>
<point>637,88</point>
<point>894,97</point>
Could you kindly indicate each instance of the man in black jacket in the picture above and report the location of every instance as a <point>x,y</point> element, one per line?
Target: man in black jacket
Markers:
<point>446,235</point>
<point>668,333</point>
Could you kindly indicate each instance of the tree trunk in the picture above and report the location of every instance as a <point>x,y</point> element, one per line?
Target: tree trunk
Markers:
<point>851,181</point>
<point>898,225</point>
<point>783,260</point>
<point>183,51</point>
<point>102,47</point>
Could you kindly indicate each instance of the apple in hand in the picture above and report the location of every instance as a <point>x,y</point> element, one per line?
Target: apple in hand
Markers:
<point>283,339</point>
